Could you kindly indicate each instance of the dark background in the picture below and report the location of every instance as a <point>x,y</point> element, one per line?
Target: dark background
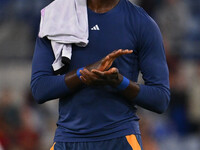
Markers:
<point>25,125</point>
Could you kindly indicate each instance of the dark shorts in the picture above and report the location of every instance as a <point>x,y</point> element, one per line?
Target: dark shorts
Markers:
<point>129,142</point>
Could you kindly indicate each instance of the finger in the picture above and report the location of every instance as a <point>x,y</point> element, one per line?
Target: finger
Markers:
<point>127,51</point>
<point>95,81</point>
<point>95,70</point>
<point>91,74</point>
<point>85,75</point>
<point>98,73</point>
<point>87,78</point>
<point>123,52</point>
<point>106,65</point>
<point>108,60</point>
<point>115,53</point>
<point>86,72</point>
<point>111,74</point>
<point>120,52</point>
<point>83,80</point>
<point>103,73</point>
<point>109,64</point>
<point>110,71</point>
<point>113,70</point>
<point>105,60</point>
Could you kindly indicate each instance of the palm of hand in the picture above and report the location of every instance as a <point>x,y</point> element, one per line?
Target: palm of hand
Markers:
<point>107,62</point>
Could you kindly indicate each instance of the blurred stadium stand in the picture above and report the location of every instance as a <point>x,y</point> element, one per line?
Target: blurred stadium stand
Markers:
<point>24,125</point>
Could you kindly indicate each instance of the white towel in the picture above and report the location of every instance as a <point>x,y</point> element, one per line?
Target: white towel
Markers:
<point>64,22</point>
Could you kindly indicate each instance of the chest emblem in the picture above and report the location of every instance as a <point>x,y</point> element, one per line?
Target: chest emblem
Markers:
<point>96,27</point>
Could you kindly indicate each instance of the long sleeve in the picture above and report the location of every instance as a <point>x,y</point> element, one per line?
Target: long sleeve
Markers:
<point>155,94</point>
<point>44,84</point>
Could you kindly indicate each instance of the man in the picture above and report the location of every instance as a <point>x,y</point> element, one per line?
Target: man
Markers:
<point>99,93</point>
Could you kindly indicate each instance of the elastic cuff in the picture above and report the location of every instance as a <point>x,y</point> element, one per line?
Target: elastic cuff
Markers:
<point>124,84</point>
<point>78,72</point>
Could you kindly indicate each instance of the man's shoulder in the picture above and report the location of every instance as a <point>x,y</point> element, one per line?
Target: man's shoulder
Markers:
<point>137,13</point>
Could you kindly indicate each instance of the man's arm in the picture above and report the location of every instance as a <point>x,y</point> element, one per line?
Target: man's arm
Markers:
<point>44,84</point>
<point>47,86</point>
<point>155,94</point>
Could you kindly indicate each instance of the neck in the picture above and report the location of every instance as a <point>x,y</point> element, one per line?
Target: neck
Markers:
<point>101,6</point>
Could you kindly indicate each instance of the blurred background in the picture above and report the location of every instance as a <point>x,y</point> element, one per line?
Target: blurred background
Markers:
<point>25,125</point>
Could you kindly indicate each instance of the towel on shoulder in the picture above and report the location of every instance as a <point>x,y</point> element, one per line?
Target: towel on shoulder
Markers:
<point>64,22</point>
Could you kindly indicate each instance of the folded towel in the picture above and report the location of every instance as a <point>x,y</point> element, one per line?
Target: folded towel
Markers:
<point>64,22</point>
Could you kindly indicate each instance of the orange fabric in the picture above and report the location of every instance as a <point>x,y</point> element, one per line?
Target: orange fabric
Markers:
<point>132,140</point>
<point>52,148</point>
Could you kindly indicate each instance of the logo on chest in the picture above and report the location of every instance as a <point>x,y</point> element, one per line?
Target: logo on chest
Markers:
<point>96,27</point>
